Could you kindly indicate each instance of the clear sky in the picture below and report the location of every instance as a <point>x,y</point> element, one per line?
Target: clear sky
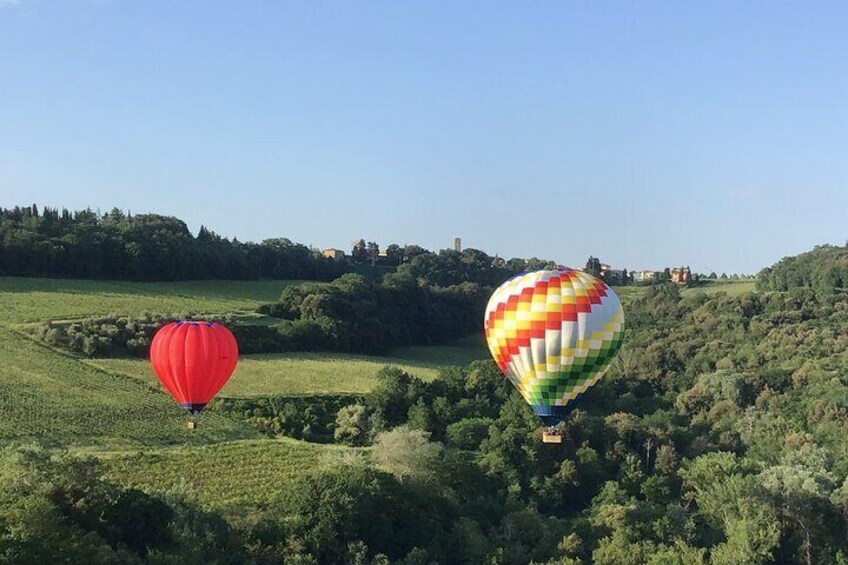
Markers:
<point>649,134</point>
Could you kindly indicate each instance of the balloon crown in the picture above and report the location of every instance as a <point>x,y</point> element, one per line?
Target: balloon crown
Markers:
<point>194,323</point>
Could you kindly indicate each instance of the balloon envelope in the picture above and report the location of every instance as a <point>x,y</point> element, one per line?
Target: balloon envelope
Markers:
<point>193,360</point>
<point>553,333</point>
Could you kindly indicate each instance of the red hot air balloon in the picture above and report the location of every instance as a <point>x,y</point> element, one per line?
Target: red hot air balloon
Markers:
<point>193,360</point>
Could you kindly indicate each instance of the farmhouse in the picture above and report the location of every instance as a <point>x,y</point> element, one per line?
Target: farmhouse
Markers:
<point>680,275</point>
<point>644,275</point>
<point>335,254</point>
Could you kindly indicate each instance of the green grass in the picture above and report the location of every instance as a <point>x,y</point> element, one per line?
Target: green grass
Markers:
<point>731,287</point>
<point>319,373</point>
<point>48,396</point>
<point>32,300</point>
<point>228,474</point>
<point>629,293</point>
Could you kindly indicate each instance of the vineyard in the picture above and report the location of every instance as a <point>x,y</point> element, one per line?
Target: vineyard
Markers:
<point>48,396</point>
<point>223,474</point>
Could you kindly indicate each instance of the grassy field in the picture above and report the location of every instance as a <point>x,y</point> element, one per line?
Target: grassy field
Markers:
<point>34,300</point>
<point>731,287</point>
<point>48,396</point>
<point>222,475</point>
<point>318,373</point>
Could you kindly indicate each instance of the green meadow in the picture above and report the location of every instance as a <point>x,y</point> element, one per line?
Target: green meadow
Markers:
<point>731,287</point>
<point>36,300</point>
<point>317,373</point>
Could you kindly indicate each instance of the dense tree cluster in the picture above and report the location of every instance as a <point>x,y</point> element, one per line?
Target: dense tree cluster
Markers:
<point>146,247</point>
<point>717,437</point>
<point>449,268</point>
<point>112,335</point>
<point>302,417</point>
<point>824,269</point>
<point>355,315</point>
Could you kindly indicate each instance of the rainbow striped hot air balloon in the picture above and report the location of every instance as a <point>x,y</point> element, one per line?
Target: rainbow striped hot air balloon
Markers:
<point>554,333</point>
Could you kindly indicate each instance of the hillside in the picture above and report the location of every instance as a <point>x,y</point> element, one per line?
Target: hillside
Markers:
<point>46,395</point>
<point>718,428</point>
<point>823,269</point>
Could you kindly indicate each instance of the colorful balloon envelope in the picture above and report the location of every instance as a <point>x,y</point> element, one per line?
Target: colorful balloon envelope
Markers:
<point>193,360</point>
<point>554,333</point>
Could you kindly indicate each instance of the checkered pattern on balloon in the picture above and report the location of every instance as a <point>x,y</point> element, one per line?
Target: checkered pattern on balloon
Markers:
<point>554,333</point>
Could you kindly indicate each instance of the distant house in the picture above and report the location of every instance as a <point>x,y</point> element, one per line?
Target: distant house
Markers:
<point>335,254</point>
<point>644,276</point>
<point>681,275</point>
<point>610,275</point>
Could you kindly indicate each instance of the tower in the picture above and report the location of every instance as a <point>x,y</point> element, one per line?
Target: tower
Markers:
<point>457,244</point>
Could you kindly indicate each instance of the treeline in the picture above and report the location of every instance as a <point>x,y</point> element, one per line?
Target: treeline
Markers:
<point>151,247</point>
<point>824,269</point>
<point>145,247</point>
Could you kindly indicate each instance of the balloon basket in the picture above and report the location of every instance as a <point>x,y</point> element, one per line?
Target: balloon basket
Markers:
<point>192,425</point>
<point>551,435</point>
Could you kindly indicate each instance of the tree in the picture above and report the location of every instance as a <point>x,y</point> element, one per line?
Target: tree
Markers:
<point>410,252</point>
<point>593,266</point>
<point>394,254</point>
<point>359,253</point>
<point>394,394</point>
<point>353,425</point>
<point>801,488</point>
<point>468,433</point>
<point>407,454</point>
<point>332,507</point>
<point>373,252</point>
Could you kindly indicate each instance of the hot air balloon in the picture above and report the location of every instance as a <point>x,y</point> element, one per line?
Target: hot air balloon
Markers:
<point>553,333</point>
<point>193,360</point>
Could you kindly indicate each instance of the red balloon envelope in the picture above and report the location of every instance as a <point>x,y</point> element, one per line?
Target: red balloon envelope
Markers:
<point>193,360</point>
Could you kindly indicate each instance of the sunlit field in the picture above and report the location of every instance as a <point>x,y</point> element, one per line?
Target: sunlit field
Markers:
<point>33,299</point>
<point>318,373</point>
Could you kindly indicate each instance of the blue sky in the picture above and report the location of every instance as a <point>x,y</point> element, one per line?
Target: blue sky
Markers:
<point>713,134</point>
